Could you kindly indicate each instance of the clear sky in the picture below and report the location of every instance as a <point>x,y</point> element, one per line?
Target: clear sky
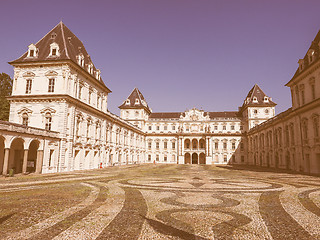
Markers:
<point>179,53</point>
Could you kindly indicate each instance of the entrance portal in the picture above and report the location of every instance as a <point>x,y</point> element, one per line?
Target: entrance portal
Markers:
<point>194,158</point>
<point>187,158</point>
<point>16,155</point>
<point>1,153</point>
<point>202,158</point>
<point>32,156</point>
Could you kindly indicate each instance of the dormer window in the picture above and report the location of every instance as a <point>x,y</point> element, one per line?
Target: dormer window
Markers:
<point>301,64</point>
<point>255,99</point>
<point>32,51</point>
<point>90,68</point>
<point>98,74</point>
<point>137,101</point>
<point>127,102</point>
<point>80,59</point>
<point>54,50</point>
<point>266,99</point>
<point>310,55</point>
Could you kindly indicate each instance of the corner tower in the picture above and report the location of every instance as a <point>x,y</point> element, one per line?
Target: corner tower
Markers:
<point>257,108</point>
<point>135,109</point>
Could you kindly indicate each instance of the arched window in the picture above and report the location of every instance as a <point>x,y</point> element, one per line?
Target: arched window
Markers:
<point>48,121</point>
<point>25,119</point>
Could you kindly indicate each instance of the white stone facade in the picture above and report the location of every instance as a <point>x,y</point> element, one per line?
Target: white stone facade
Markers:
<point>58,90</point>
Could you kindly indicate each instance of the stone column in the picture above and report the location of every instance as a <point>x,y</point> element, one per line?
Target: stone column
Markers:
<point>39,161</point>
<point>6,161</point>
<point>25,161</point>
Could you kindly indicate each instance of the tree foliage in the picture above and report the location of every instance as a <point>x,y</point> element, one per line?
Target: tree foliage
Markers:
<point>5,91</point>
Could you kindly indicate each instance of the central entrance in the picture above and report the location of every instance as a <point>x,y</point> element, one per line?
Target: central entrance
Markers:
<point>194,158</point>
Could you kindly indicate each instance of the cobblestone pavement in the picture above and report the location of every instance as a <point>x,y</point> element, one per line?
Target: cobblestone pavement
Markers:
<point>161,202</point>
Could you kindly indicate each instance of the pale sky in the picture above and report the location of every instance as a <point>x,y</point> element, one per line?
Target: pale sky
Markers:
<point>179,53</point>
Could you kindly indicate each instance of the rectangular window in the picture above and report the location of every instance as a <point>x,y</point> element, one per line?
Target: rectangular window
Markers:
<point>313,92</point>
<point>241,146</point>
<point>225,158</point>
<point>165,127</point>
<point>54,51</point>
<point>173,145</point>
<point>157,158</point>
<point>216,145</point>
<point>149,158</point>
<point>80,92</point>
<point>242,159</point>
<point>233,145</point>
<point>224,145</point>
<point>48,123</point>
<point>31,53</point>
<point>165,158</point>
<point>28,86</point>
<point>165,145</point>
<point>241,127</point>
<point>302,97</point>
<point>232,127</point>
<point>150,128</point>
<point>51,85</point>
<point>224,128</point>
<point>89,97</point>
<point>157,145</point>
<point>149,145</point>
<point>215,127</point>
<point>51,157</point>
<point>158,128</point>
<point>173,127</point>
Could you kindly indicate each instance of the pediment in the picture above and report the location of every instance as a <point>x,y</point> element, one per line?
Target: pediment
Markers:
<point>194,114</point>
<point>25,110</point>
<point>47,109</point>
<point>28,74</point>
<point>51,73</point>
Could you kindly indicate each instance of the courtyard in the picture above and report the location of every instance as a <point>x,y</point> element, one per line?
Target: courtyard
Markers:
<point>158,201</point>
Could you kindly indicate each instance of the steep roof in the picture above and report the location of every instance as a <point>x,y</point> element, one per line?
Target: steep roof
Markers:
<point>69,48</point>
<point>315,47</point>
<point>135,100</point>
<point>256,97</point>
<point>176,115</point>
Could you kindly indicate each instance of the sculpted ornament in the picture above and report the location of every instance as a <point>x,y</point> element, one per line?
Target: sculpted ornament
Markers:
<point>194,115</point>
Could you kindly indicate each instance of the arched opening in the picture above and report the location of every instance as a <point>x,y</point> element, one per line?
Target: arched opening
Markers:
<point>288,163</point>
<point>194,158</point>
<point>187,144</point>
<point>202,158</point>
<point>187,158</point>
<point>1,153</point>
<point>194,144</point>
<point>277,161</point>
<point>202,144</point>
<point>260,159</point>
<point>268,160</point>
<point>32,156</point>
<point>16,155</point>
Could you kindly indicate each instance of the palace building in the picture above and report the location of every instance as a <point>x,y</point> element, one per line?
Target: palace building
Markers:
<point>59,120</point>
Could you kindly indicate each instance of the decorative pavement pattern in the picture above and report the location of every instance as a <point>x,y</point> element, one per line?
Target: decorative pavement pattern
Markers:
<point>164,202</point>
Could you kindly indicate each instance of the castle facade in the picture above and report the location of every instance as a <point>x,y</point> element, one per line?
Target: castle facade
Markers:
<point>59,120</point>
